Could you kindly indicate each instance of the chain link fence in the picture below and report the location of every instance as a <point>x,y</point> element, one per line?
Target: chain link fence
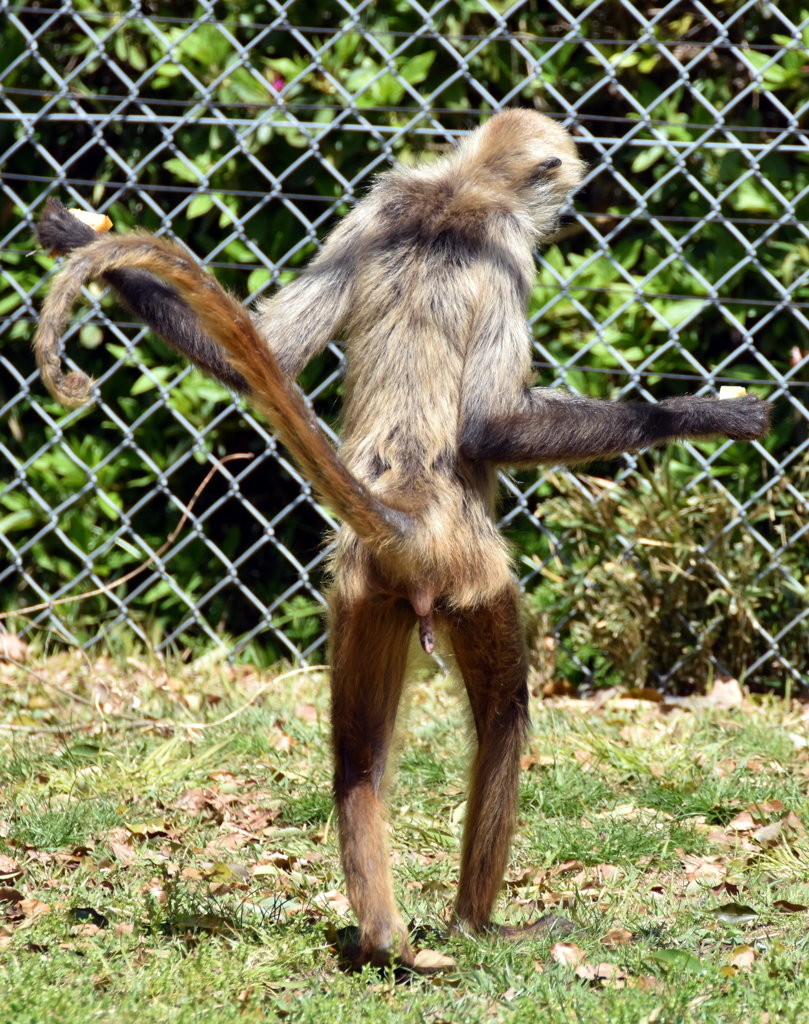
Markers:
<point>299,106</point>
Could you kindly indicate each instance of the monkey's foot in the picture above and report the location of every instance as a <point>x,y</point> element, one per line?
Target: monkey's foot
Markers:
<point>404,961</point>
<point>355,953</point>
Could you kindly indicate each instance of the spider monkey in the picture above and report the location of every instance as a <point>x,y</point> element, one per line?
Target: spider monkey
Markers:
<point>427,280</point>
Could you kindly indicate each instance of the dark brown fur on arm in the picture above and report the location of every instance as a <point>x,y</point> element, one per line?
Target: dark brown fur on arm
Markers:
<point>154,302</point>
<point>504,421</point>
<point>570,429</point>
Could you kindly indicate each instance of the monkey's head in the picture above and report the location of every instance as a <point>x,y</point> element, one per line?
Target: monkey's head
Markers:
<point>529,156</point>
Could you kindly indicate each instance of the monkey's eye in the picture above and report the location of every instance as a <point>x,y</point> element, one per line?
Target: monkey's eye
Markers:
<point>544,167</point>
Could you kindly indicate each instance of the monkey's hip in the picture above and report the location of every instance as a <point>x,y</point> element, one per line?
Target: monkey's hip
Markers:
<point>455,569</point>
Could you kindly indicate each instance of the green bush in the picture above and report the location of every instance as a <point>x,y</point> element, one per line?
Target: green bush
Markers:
<point>659,580</point>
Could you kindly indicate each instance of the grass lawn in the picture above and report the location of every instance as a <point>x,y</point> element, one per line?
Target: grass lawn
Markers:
<point>168,854</point>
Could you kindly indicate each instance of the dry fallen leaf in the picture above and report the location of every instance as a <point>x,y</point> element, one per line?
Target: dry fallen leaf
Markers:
<point>646,693</point>
<point>10,870</point>
<point>306,712</point>
<point>428,961</point>
<point>557,687</point>
<point>566,867</point>
<point>599,875</point>
<point>726,693</point>
<point>766,807</point>
<point>538,760</point>
<point>567,953</point>
<point>790,908</point>
<point>703,869</point>
<point>744,822</point>
<point>742,958</point>
<point>154,888</point>
<point>88,929</point>
<point>333,900</point>
<point>124,853</point>
<point>12,647</point>
<point>227,843</point>
<point>650,983</point>
<point>34,908</point>
<point>617,937</point>
<point>769,835</point>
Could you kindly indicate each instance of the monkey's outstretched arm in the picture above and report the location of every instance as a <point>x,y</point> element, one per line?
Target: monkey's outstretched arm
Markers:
<point>570,429</point>
<point>151,300</point>
<point>505,421</point>
<point>221,318</point>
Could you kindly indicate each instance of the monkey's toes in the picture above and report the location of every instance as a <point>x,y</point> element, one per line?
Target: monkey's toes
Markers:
<point>430,961</point>
<point>548,924</point>
<point>402,961</point>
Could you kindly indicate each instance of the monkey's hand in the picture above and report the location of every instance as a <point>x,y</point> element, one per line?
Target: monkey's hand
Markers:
<point>741,419</point>
<point>751,418</point>
<point>60,232</point>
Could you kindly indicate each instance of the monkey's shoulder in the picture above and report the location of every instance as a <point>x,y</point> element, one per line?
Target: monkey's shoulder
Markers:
<point>444,211</point>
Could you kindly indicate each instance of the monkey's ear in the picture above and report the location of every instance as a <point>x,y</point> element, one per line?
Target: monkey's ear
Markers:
<point>544,167</point>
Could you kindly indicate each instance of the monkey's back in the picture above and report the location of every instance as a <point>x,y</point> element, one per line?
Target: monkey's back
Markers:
<point>413,315</point>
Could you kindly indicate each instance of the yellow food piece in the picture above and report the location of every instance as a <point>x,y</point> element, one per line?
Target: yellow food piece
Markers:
<point>97,221</point>
<point>732,391</point>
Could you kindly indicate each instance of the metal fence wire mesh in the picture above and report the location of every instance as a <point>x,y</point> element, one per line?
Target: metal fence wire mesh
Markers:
<point>245,129</point>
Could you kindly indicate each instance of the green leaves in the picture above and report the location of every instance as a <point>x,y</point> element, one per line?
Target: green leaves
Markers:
<point>690,588</point>
<point>678,960</point>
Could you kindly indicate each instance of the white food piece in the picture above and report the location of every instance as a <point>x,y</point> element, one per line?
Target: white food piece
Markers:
<point>97,221</point>
<point>732,391</point>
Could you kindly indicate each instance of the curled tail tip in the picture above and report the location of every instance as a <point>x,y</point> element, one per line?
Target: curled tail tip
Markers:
<point>73,390</point>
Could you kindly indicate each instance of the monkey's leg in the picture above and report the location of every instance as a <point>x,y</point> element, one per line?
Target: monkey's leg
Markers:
<point>369,650</point>
<point>490,651</point>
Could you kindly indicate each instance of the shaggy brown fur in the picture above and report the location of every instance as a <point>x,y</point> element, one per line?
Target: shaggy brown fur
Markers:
<point>427,280</point>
